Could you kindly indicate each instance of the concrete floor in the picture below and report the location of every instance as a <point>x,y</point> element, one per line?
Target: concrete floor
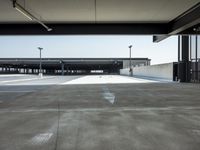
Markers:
<point>25,79</point>
<point>137,116</point>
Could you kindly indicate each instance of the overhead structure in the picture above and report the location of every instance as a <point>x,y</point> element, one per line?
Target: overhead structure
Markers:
<point>187,23</point>
<point>161,18</point>
<point>27,14</point>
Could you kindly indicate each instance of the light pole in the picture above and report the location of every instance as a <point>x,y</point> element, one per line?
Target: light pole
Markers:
<point>130,46</point>
<point>40,49</point>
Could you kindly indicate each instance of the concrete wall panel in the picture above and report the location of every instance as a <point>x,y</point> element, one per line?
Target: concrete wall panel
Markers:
<point>162,71</point>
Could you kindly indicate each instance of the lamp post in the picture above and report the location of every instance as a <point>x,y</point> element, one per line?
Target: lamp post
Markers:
<point>130,46</point>
<point>40,72</point>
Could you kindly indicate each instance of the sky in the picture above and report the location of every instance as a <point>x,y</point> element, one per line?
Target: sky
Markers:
<point>89,46</point>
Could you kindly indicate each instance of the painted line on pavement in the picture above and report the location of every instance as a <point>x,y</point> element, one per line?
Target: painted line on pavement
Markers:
<point>8,81</point>
<point>117,109</point>
<point>16,91</point>
<point>110,97</point>
<point>13,75</point>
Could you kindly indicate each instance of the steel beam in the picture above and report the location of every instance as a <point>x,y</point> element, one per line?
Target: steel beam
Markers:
<point>183,24</point>
<point>185,21</point>
<point>85,29</point>
<point>158,38</point>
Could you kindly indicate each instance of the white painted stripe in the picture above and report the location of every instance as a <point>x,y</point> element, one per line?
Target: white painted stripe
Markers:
<point>116,109</point>
<point>38,84</point>
<point>16,91</point>
<point>40,139</point>
<point>110,97</point>
<point>13,75</point>
<point>19,80</point>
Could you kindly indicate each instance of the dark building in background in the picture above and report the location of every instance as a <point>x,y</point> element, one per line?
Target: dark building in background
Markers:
<point>67,66</point>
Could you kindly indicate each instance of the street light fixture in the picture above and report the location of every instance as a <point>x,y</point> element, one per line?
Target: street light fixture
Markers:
<point>130,46</point>
<point>40,72</point>
<point>27,14</point>
<point>130,55</point>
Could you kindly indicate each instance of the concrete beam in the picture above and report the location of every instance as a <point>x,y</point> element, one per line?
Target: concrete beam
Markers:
<point>186,20</point>
<point>183,24</point>
<point>85,29</point>
<point>158,38</point>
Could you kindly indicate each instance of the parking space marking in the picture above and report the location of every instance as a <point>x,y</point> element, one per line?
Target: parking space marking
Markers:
<point>110,97</point>
<point>16,91</point>
<point>9,81</point>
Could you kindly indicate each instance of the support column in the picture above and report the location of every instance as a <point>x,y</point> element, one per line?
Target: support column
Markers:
<point>184,64</point>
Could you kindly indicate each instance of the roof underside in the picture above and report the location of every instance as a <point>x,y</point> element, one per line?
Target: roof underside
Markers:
<point>89,11</point>
<point>59,12</point>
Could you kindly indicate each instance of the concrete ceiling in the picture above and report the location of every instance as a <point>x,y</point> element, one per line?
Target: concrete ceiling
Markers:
<point>102,11</point>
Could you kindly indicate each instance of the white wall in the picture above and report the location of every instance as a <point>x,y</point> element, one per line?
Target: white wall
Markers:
<point>125,71</point>
<point>162,71</point>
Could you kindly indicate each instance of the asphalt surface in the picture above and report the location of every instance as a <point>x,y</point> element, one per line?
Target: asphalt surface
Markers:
<point>136,116</point>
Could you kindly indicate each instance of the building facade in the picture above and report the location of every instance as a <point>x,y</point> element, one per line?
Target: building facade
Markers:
<point>189,58</point>
<point>66,66</point>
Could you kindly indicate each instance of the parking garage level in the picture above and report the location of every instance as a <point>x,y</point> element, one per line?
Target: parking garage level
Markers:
<point>138,115</point>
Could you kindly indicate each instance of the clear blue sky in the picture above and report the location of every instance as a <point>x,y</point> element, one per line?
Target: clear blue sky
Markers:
<point>89,46</point>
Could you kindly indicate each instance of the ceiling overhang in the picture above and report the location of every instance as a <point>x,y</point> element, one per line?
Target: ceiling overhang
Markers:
<point>184,24</point>
<point>85,29</point>
<point>160,18</point>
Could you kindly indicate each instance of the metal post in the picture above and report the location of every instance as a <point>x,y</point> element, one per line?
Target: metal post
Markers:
<point>179,38</point>
<point>40,49</point>
<point>196,60</point>
<point>130,60</point>
<point>130,55</point>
